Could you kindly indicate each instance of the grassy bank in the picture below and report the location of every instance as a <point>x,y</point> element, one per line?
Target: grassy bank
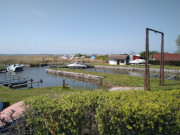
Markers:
<point>2,67</point>
<point>142,66</point>
<point>13,96</point>
<point>126,80</point>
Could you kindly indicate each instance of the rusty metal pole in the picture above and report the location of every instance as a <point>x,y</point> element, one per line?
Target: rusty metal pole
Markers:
<point>162,62</point>
<point>146,73</point>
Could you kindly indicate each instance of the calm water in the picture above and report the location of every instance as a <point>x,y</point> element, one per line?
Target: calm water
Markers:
<point>126,72</point>
<point>37,73</point>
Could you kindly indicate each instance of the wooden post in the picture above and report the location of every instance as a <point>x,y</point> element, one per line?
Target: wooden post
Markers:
<point>31,82</point>
<point>146,73</point>
<point>64,85</point>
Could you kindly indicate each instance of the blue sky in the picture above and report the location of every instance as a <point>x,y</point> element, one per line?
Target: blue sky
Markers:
<point>86,26</point>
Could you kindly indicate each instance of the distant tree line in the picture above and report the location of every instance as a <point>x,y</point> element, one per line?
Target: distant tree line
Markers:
<point>178,44</point>
<point>142,54</point>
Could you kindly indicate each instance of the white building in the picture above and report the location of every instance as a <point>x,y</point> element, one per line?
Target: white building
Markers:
<point>121,59</point>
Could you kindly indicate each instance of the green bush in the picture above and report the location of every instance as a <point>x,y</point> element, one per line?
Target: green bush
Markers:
<point>170,63</point>
<point>130,112</point>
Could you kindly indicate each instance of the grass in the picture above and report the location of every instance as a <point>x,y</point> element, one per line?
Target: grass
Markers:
<point>126,80</point>
<point>2,67</point>
<point>142,66</point>
<point>13,96</point>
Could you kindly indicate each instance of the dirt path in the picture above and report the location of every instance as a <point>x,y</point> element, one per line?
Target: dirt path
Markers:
<point>126,88</point>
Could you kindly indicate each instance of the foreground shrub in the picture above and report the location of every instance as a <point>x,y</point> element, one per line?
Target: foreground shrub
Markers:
<point>131,112</point>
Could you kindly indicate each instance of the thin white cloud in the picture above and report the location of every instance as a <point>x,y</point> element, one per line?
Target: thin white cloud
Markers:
<point>38,13</point>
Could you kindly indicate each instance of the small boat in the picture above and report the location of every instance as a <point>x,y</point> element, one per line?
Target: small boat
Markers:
<point>77,64</point>
<point>3,70</point>
<point>15,67</point>
<point>14,84</point>
<point>4,83</point>
<point>137,61</point>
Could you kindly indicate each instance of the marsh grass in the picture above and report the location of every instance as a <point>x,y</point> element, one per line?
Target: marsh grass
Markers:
<point>37,59</point>
<point>27,59</point>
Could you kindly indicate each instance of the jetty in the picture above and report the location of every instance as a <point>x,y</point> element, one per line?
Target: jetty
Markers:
<point>83,76</point>
<point>12,81</point>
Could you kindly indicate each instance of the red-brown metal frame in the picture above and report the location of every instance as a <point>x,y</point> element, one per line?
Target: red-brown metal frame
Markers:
<point>146,73</point>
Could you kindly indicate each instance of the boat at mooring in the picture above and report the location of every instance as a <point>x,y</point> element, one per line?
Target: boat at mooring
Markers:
<point>137,61</point>
<point>15,67</point>
<point>77,64</point>
<point>13,84</point>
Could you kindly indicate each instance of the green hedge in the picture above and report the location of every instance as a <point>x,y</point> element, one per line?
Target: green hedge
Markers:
<point>157,62</point>
<point>131,112</point>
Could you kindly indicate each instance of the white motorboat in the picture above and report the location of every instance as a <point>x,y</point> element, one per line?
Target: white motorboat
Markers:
<point>137,61</point>
<point>15,67</point>
<point>77,64</point>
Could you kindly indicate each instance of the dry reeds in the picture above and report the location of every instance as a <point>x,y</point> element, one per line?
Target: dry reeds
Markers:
<point>27,59</point>
<point>37,59</point>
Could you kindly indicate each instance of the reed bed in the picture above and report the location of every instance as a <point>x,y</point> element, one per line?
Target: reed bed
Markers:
<point>37,59</point>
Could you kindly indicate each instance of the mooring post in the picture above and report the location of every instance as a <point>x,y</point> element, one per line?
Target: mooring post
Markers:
<point>31,83</point>
<point>64,85</point>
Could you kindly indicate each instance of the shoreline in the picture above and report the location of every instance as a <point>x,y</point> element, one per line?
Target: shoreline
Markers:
<point>153,70</point>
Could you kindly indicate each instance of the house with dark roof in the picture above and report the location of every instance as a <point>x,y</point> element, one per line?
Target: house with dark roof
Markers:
<point>121,59</point>
<point>167,57</point>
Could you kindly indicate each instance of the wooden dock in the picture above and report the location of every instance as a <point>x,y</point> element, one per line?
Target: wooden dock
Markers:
<point>12,81</point>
